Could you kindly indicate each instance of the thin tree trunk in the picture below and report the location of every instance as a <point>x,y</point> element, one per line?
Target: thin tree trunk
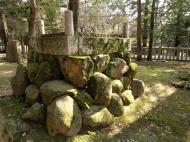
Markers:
<point>32,30</point>
<point>74,6</point>
<point>151,39</point>
<point>4,32</point>
<point>139,47</point>
<point>145,20</point>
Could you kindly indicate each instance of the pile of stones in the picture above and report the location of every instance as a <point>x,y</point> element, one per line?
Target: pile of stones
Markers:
<point>184,77</point>
<point>70,92</point>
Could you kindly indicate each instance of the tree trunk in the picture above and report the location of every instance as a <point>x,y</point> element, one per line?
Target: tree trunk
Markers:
<point>32,30</point>
<point>3,29</point>
<point>139,47</point>
<point>145,20</point>
<point>74,6</point>
<point>151,39</point>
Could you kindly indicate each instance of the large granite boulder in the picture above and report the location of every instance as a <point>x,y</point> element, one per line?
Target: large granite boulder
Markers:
<point>101,62</point>
<point>76,69</point>
<point>116,105</point>
<point>36,113</point>
<point>127,97</point>
<point>5,135</point>
<point>138,88</point>
<point>117,86</point>
<point>53,89</point>
<point>32,94</point>
<point>97,116</point>
<point>20,81</point>
<point>83,99</point>
<point>13,51</point>
<point>100,88</point>
<point>63,117</point>
<point>117,68</point>
<point>126,83</point>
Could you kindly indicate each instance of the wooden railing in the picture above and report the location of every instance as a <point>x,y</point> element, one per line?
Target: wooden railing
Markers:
<point>165,53</point>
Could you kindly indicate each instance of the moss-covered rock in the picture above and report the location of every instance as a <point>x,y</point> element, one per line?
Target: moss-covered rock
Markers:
<point>63,117</point>
<point>44,73</point>
<point>20,81</point>
<point>101,62</point>
<point>53,89</point>
<point>100,88</point>
<point>83,99</point>
<point>138,87</point>
<point>126,83</point>
<point>76,69</point>
<point>117,86</point>
<point>127,97</point>
<point>117,68</point>
<point>116,105</point>
<point>97,116</point>
<point>132,71</point>
<point>127,57</point>
<point>32,94</point>
<point>36,113</point>
<point>32,69</point>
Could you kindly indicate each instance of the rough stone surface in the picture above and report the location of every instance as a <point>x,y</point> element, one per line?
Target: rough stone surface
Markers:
<point>132,71</point>
<point>97,116</point>
<point>20,81</point>
<point>117,86</point>
<point>76,69</point>
<point>100,88</point>
<point>13,51</point>
<point>138,88</point>
<point>53,89</point>
<point>5,135</point>
<point>116,105</point>
<point>83,99</point>
<point>32,94</point>
<point>63,117</point>
<point>32,69</point>
<point>101,62</point>
<point>126,83</point>
<point>36,113</point>
<point>117,68</point>
<point>127,97</point>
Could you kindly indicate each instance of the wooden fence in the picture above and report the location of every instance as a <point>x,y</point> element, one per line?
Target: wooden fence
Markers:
<point>165,53</point>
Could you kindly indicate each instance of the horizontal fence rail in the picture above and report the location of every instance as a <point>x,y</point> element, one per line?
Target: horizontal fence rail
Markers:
<point>164,53</point>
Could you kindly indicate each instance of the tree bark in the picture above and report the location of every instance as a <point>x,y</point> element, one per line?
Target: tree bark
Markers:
<point>32,30</point>
<point>74,6</point>
<point>4,29</point>
<point>145,20</point>
<point>139,46</point>
<point>151,39</point>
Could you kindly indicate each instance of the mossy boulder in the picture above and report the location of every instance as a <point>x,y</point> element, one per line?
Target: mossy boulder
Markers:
<point>117,86</point>
<point>117,68</point>
<point>138,87</point>
<point>5,135</point>
<point>97,116</point>
<point>126,83</point>
<point>116,105</point>
<point>20,81</point>
<point>76,69</point>
<point>101,62</point>
<point>36,113</point>
<point>53,89</point>
<point>132,71</point>
<point>127,97</point>
<point>44,73</point>
<point>32,94</point>
<point>63,117</point>
<point>83,99</point>
<point>100,88</point>
<point>127,57</point>
<point>32,69</point>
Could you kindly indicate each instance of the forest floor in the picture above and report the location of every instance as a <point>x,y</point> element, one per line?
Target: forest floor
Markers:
<point>161,115</point>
